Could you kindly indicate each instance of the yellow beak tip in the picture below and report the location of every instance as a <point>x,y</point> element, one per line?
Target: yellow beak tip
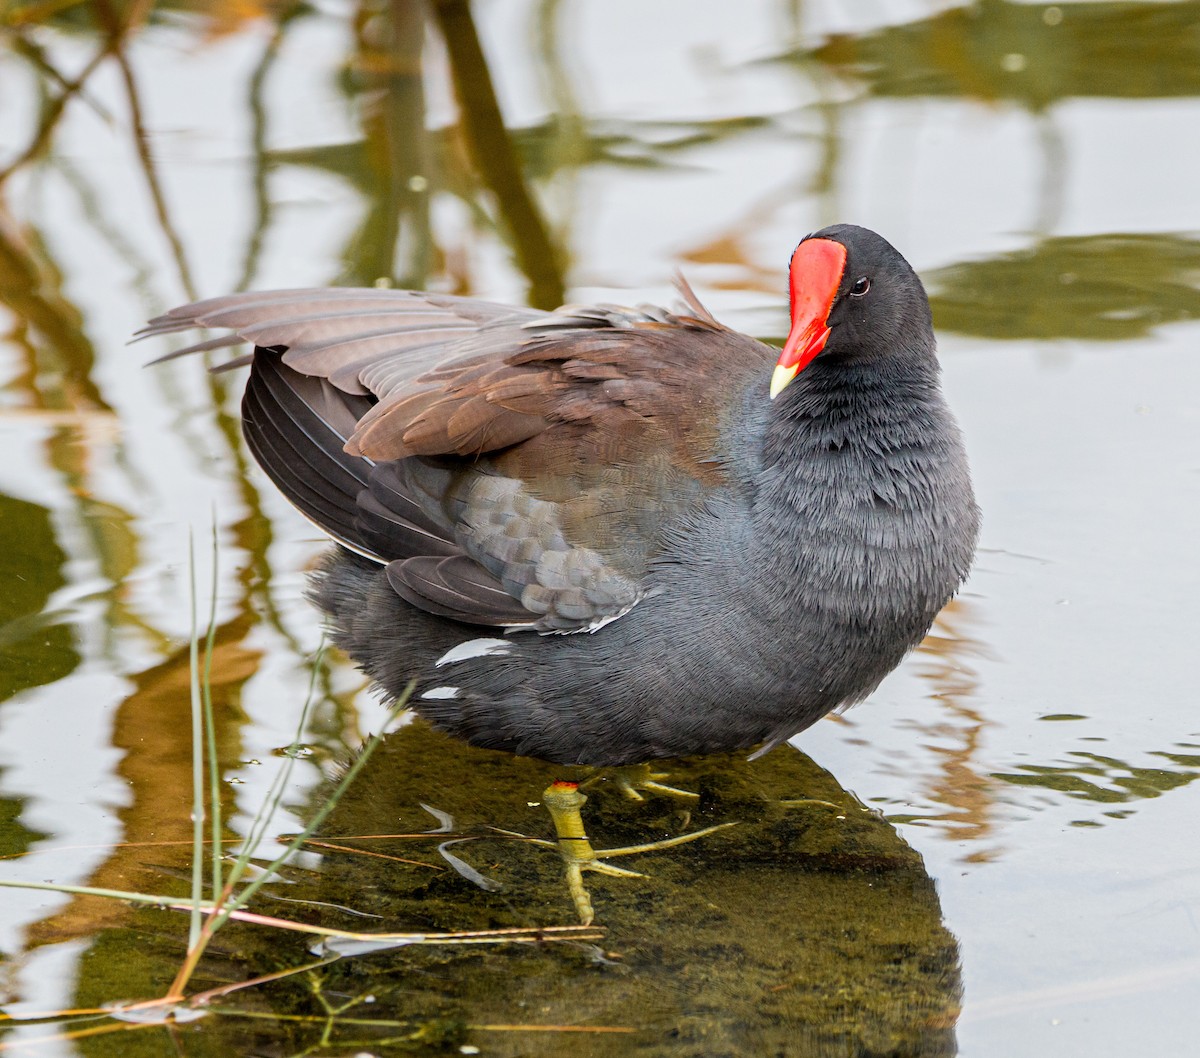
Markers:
<point>780,379</point>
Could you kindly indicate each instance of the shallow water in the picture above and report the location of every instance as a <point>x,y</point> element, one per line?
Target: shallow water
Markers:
<point>1031,767</point>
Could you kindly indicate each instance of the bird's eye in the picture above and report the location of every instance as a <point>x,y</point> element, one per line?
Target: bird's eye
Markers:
<point>861,286</point>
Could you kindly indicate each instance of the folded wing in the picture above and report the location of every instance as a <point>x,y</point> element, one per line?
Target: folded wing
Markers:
<point>511,468</point>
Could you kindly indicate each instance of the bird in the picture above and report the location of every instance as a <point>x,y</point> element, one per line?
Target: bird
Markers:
<point>606,535</point>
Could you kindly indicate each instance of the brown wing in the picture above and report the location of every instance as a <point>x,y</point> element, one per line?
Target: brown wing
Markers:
<point>364,341</point>
<point>512,468</point>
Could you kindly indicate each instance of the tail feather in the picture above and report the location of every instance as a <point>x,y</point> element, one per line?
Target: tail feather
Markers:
<point>396,535</point>
<point>301,452</point>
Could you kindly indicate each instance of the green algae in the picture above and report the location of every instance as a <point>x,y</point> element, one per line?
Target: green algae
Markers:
<point>808,929</point>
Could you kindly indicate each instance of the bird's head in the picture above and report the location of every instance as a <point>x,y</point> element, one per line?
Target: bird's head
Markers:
<point>852,296</point>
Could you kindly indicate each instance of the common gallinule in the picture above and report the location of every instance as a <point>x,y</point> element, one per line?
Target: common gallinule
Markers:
<point>606,535</point>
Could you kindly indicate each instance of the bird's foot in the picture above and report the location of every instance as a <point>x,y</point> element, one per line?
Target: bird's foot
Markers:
<point>563,801</point>
<point>633,779</point>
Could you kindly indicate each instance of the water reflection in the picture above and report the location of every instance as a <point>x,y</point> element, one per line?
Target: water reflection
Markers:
<point>960,787</point>
<point>1106,780</point>
<point>36,646</point>
<point>155,765</point>
<point>805,924</point>
<point>1088,287</point>
<point>1032,54</point>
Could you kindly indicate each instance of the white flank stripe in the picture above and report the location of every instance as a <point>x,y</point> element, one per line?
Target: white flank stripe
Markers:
<point>474,648</point>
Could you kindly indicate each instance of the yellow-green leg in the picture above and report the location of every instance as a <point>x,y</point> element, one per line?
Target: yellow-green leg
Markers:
<point>632,779</point>
<point>563,801</point>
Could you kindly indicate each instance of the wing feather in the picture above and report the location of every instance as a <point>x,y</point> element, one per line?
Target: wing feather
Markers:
<point>456,588</point>
<point>511,468</point>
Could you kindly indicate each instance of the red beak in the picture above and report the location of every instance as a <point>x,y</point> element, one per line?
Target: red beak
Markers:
<point>814,278</point>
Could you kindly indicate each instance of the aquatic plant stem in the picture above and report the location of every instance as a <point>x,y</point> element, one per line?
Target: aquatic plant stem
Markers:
<point>210,725</point>
<point>330,804</point>
<point>535,934</point>
<point>494,156</point>
<point>194,928</point>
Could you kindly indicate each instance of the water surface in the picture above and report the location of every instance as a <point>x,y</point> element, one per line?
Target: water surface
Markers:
<point>1030,769</point>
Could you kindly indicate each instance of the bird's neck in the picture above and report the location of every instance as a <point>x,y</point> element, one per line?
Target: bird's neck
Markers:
<point>861,472</point>
<point>867,407</point>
